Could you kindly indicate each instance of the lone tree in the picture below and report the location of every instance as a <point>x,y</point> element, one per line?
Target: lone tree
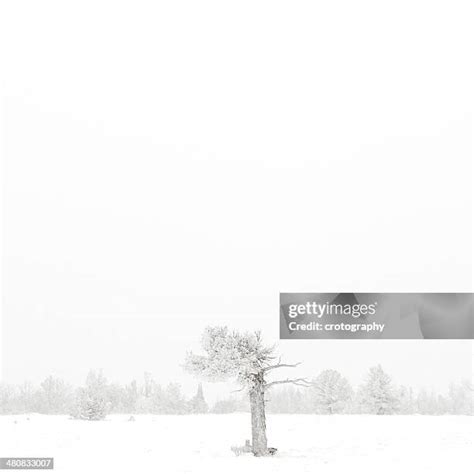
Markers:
<point>242,356</point>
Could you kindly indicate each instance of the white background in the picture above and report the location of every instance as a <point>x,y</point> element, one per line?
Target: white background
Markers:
<point>173,164</point>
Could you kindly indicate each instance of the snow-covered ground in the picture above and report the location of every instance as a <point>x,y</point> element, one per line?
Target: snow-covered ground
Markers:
<point>201,443</point>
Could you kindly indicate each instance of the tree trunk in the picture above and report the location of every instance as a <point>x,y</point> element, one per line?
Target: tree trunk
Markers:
<point>257,412</point>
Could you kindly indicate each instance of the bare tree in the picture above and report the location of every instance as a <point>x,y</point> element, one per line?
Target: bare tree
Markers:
<point>230,354</point>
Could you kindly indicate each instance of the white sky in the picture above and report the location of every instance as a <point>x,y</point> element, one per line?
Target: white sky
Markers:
<point>173,163</point>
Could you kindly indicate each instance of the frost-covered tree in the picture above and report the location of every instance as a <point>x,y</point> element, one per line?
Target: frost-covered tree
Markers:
<point>131,397</point>
<point>174,402</point>
<point>158,399</point>
<point>54,396</point>
<point>443,405</point>
<point>91,401</point>
<point>198,404</point>
<point>116,398</point>
<point>377,395</point>
<point>461,398</point>
<point>8,399</point>
<point>26,397</point>
<point>427,403</point>
<point>331,392</point>
<point>241,356</point>
<point>407,401</point>
<point>146,397</point>
<point>148,385</point>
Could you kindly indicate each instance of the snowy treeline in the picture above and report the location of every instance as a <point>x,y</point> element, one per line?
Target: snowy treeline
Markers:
<point>98,397</point>
<point>329,393</point>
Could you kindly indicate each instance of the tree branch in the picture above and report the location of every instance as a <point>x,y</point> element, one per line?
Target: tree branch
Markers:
<point>279,364</point>
<point>301,382</point>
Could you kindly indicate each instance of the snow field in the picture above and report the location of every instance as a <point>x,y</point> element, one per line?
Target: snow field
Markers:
<point>201,443</point>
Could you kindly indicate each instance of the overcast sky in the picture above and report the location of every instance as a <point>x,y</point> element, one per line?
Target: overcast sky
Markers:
<point>173,164</point>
